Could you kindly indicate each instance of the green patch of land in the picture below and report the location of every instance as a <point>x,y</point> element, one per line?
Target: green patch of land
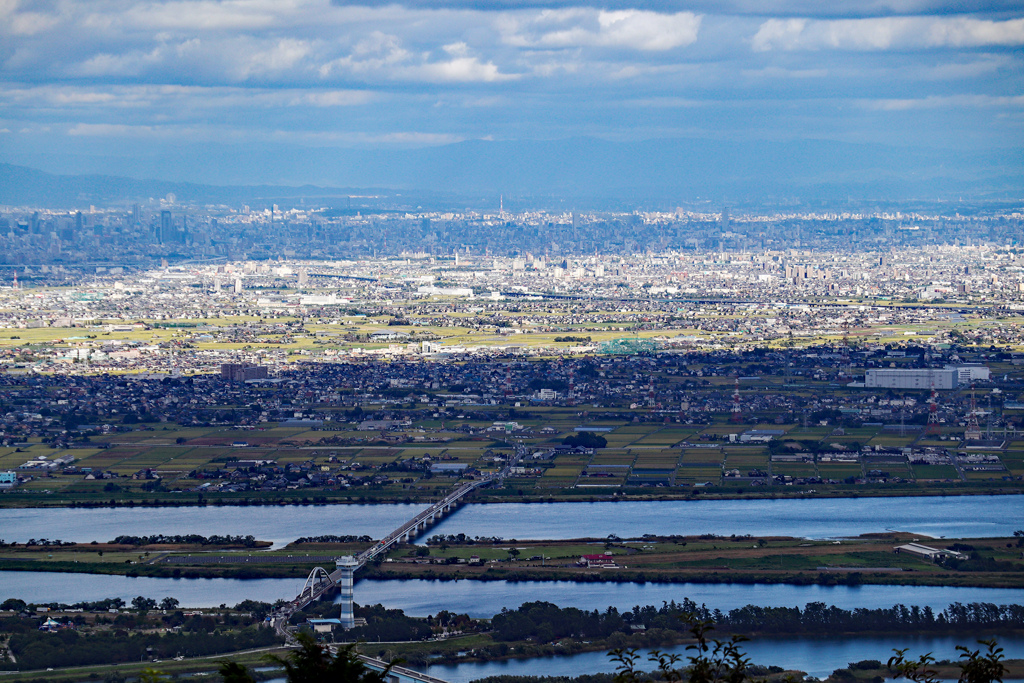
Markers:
<point>991,562</point>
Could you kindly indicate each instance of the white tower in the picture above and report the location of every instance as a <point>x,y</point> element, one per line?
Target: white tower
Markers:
<point>347,565</point>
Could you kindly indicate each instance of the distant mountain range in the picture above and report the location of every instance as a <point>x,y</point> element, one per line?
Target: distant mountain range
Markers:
<point>22,186</point>
<point>582,172</point>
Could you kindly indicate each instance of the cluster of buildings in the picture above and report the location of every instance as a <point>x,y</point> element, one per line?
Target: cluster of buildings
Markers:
<point>276,314</point>
<point>693,383</point>
<point>378,226</point>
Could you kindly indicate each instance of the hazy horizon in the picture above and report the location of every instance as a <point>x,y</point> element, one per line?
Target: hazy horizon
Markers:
<point>470,96</point>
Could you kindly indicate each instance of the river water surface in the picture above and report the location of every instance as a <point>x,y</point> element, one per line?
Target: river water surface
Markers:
<point>818,658</point>
<point>953,516</point>
<point>935,516</point>
<point>485,598</point>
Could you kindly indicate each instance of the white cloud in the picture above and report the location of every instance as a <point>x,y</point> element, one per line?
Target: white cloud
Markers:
<point>987,64</point>
<point>413,138</point>
<point>319,68</point>
<point>779,34</point>
<point>375,52</point>
<point>222,133</point>
<point>883,33</point>
<point>109,129</point>
<point>157,100</point>
<point>24,23</point>
<point>968,32</point>
<point>398,138</point>
<point>780,72</point>
<point>206,15</point>
<point>283,55</point>
<point>647,30</point>
<point>130,63</point>
<point>333,98</point>
<point>459,70</point>
<point>383,56</point>
<point>459,49</point>
<point>944,102</point>
<point>669,102</point>
<point>584,27</point>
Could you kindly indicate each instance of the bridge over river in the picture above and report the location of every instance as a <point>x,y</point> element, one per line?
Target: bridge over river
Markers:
<point>399,674</point>
<point>322,582</point>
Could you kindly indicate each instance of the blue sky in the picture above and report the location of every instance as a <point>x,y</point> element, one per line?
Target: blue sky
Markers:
<point>134,77</point>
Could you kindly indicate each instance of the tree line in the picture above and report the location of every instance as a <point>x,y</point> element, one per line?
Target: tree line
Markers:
<point>35,649</point>
<point>45,542</point>
<point>545,621</point>
<point>331,538</point>
<point>462,539</point>
<point>186,539</point>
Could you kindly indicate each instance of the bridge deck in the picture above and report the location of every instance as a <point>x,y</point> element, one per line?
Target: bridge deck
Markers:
<point>384,545</point>
<point>401,671</point>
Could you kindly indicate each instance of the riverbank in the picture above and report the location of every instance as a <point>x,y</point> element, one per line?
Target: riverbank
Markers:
<point>255,659</point>
<point>707,558</point>
<point>15,499</point>
<point>483,648</point>
<point>191,665</point>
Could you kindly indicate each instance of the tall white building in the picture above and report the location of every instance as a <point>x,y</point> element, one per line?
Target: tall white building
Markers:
<point>971,372</point>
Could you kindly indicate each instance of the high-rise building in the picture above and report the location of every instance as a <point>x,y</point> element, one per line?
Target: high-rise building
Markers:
<point>240,372</point>
<point>165,227</point>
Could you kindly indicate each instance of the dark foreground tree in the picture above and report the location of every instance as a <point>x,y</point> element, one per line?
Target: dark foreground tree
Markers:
<point>722,661</point>
<point>975,666</point>
<point>713,661</point>
<point>313,663</point>
<point>233,672</point>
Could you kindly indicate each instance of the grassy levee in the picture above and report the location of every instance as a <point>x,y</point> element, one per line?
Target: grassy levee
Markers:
<point>171,667</point>
<point>870,559</point>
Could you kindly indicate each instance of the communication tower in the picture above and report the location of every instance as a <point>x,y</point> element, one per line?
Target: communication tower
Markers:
<point>846,365</point>
<point>737,411</point>
<point>973,431</point>
<point>933,428</point>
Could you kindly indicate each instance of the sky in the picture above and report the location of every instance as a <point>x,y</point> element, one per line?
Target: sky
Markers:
<point>84,79</point>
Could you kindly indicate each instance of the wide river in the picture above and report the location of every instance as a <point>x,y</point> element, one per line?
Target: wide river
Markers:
<point>938,516</point>
<point>953,516</point>
<point>486,598</point>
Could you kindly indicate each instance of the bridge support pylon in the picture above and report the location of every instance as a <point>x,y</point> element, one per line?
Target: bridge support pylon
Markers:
<point>347,566</point>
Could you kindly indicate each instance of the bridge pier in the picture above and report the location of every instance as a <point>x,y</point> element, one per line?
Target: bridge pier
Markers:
<point>347,566</point>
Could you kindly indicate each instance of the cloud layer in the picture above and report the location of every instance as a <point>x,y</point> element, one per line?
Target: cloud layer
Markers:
<point>127,73</point>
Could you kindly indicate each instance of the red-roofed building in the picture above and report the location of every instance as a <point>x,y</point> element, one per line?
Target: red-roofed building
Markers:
<point>600,561</point>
